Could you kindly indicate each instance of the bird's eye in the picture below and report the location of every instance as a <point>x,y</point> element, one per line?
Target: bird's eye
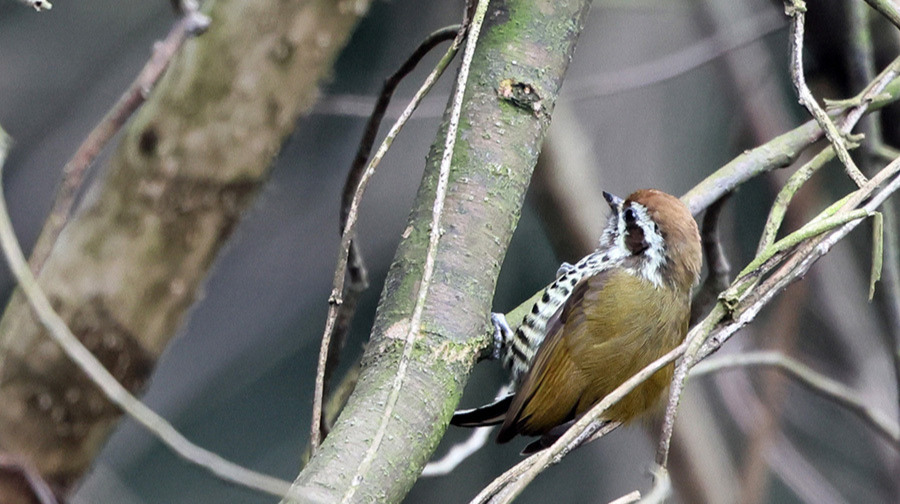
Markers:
<point>630,216</point>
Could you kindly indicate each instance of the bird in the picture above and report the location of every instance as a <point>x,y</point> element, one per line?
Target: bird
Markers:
<point>601,321</point>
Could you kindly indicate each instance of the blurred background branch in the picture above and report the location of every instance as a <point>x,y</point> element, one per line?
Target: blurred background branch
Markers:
<point>130,263</point>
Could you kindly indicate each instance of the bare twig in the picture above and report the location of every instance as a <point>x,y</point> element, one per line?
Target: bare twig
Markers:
<point>114,391</point>
<point>861,71</point>
<point>680,62</point>
<point>381,104</point>
<point>191,23</point>
<point>335,299</point>
<point>816,382</point>
<point>887,9</point>
<point>845,211</point>
<point>472,32</point>
<point>710,334</point>
<point>784,197</point>
<point>782,456</point>
<point>356,268</point>
<point>718,268</point>
<point>784,150</point>
<point>501,486</point>
<point>505,488</point>
<point>796,9</point>
<point>670,66</point>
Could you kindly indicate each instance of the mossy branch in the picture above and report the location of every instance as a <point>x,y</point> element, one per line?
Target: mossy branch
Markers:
<point>434,340</point>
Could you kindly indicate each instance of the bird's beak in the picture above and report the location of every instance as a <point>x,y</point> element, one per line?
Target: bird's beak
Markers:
<point>614,201</point>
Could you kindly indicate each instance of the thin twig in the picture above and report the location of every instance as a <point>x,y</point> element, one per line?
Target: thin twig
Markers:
<point>887,9</point>
<point>783,457</point>
<point>740,294</point>
<point>335,299</point>
<point>501,484</point>
<point>796,9</point>
<point>717,265</point>
<point>192,23</point>
<point>710,334</point>
<point>114,391</point>
<point>816,382</point>
<point>784,197</point>
<point>670,66</point>
<point>860,71</point>
<point>473,30</point>
<point>516,479</point>
<point>679,379</point>
<point>377,115</point>
<point>356,268</point>
<point>840,212</point>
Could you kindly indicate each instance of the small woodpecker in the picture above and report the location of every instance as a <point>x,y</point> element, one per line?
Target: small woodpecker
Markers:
<point>601,321</point>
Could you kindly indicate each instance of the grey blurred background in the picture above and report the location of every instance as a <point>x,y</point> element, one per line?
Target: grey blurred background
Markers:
<point>657,100</point>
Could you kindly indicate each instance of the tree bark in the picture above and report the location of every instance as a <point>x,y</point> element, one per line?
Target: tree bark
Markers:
<point>130,263</point>
<point>374,453</point>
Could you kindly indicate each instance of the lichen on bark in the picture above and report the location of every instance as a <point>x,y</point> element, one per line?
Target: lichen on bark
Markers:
<point>528,41</point>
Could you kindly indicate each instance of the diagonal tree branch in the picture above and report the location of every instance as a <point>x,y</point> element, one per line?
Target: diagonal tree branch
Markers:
<point>348,231</point>
<point>137,253</point>
<point>112,389</point>
<point>491,163</point>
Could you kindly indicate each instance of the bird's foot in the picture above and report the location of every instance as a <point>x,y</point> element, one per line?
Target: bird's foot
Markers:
<point>564,268</point>
<point>502,334</point>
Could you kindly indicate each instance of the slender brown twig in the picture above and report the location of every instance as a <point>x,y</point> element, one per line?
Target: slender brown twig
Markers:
<point>796,9</point>
<point>815,382</point>
<point>717,265</point>
<point>335,300</point>
<point>506,487</point>
<point>356,268</point>
<point>887,9</point>
<point>113,390</point>
<point>670,66</point>
<point>703,339</point>
<point>783,457</point>
<point>190,24</point>
<point>470,35</point>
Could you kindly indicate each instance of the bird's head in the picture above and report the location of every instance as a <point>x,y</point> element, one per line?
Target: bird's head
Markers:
<point>654,234</point>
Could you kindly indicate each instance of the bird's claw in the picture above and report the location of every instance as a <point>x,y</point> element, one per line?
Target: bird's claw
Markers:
<point>564,268</point>
<point>502,334</point>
